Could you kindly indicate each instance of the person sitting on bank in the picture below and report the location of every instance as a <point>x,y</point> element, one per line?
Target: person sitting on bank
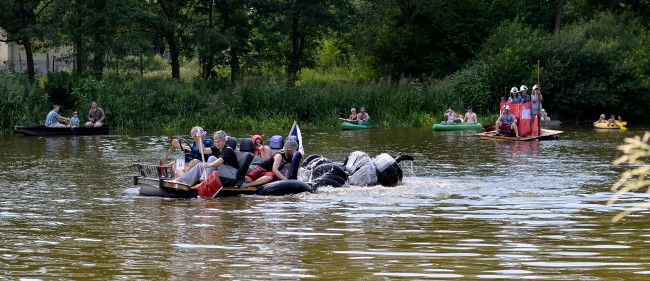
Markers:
<point>53,118</point>
<point>192,152</point>
<point>269,170</point>
<point>362,116</point>
<point>223,160</point>
<point>507,122</point>
<point>470,116</point>
<point>95,116</point>
<point>74,120</point>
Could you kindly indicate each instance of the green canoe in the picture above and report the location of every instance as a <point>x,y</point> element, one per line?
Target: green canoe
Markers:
<point>458,127</point>
<point>345,125</point>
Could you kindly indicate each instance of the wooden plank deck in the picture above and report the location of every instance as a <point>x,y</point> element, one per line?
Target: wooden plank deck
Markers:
<point>545,134</point>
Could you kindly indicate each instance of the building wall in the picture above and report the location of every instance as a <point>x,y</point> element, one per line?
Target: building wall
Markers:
<point>12,56</point>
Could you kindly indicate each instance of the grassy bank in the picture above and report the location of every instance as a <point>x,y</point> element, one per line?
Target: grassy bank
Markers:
<point>156,103</point>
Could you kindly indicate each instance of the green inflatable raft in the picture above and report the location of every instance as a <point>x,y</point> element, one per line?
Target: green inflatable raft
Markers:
<point>458,127</point>
<point>345,125</point>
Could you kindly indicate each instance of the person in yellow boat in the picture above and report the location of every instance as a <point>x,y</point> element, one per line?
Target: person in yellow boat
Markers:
<point>612,121</point>
<point>602,119</point>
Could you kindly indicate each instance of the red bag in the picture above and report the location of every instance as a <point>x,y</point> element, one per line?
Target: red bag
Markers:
<point>211,186</point>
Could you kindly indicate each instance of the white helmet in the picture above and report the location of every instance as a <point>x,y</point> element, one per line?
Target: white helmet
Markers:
<point>514,90</point>
<point>535,87</point>
<point>506,107</point>
<point>523,88</point>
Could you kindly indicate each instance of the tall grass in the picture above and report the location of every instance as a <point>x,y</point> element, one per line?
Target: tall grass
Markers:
<point>154,102</point>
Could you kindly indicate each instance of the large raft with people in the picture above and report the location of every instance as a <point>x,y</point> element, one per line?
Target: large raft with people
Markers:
<point>358,169</point>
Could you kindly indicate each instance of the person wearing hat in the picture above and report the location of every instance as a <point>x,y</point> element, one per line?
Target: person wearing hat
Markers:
<point>524,97</point>
<point>470,116</point>
<point>223,159</point>
<point>536,109</point>
<point>269,170</point>
<point>507,122</point>
<point>514,98</point>
<point>53,118</point>
<point>74,120</point>
<point>192,151</point>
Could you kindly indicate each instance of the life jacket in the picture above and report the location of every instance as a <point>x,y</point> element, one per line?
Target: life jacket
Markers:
<point>195,152</point>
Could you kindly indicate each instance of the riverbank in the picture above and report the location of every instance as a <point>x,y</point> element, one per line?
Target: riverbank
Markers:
<point>158,103</point>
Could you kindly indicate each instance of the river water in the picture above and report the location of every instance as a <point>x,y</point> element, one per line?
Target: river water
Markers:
<point>468,209</point>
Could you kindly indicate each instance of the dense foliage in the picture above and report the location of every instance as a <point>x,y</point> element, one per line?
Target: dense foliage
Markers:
<point>167,62</point>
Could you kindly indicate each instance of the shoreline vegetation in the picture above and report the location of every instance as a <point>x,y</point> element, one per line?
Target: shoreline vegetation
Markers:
<point>587,68</point>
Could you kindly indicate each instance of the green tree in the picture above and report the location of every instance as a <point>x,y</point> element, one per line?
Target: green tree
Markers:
<point>288,32</point>
<point>18,18</point>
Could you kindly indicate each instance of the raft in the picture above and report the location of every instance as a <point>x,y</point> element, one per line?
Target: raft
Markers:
<point>604,126</point>
<point>545,135</point>
<point>345,125</point>
<point>458,127</point>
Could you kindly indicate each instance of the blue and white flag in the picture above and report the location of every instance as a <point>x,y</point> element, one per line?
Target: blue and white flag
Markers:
<point>295,131</point>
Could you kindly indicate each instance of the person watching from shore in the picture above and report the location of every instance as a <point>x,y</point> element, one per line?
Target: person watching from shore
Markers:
<point>507,122</point>
<point>524,97</point>
<point>223,160</point>
<point>192,152</point>
<point>53,118</point>
<point>363,115</point>
<point>269,170</point>
<point>95,116</point>
<point>74,120</point>
<point>470,116</point>
<point>545,117</point>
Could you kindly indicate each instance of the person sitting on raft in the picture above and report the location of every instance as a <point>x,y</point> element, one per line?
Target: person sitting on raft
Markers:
<point>602,119</point>
<point>362,116</point>
<point>261,152</point>
<point>353,115</point>
<point>192,152</point>
<point>269,170</point>
<point>223,160</point>
<point>507,122</point>
<point>451,117</point>
<point>470,116</point>
<point>612,121</point>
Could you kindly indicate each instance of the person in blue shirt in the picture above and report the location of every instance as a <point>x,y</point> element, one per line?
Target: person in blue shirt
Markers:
<point>74,120</point>
<point>53,118</point>
<point>507,122</point>
<point>192,152</point>
<point>524,97</point>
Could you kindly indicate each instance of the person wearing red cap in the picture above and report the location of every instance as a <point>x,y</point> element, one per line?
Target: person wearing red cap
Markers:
<point>74,120</point>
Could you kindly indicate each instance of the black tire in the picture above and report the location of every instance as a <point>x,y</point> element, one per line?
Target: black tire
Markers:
<point>328,168</point>
<point>149,190</point>
<point>325,182</point>
<point>339,181</point>
<point>317,162</point>
<point>309,159</point>
<point>279,188</point>
<point>389,172</point>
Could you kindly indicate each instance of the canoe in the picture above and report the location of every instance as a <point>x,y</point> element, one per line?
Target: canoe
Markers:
<point>345,125</point>
<point>546,135</point>
<point>604,126</point>
<point>458,127</point>
<point>47,131</point>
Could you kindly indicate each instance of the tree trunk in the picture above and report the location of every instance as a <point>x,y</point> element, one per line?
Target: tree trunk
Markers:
<point>295,51</point>
<point>558,15</point>
<point>408,12</point>
<point>22,16</point>
<point>234,65</point>
<point>174,56</point>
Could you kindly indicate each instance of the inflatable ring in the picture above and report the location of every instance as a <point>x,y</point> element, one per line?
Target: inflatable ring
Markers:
<point>309,159</point>
<point>150,190</point>
<point>284,187</point>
